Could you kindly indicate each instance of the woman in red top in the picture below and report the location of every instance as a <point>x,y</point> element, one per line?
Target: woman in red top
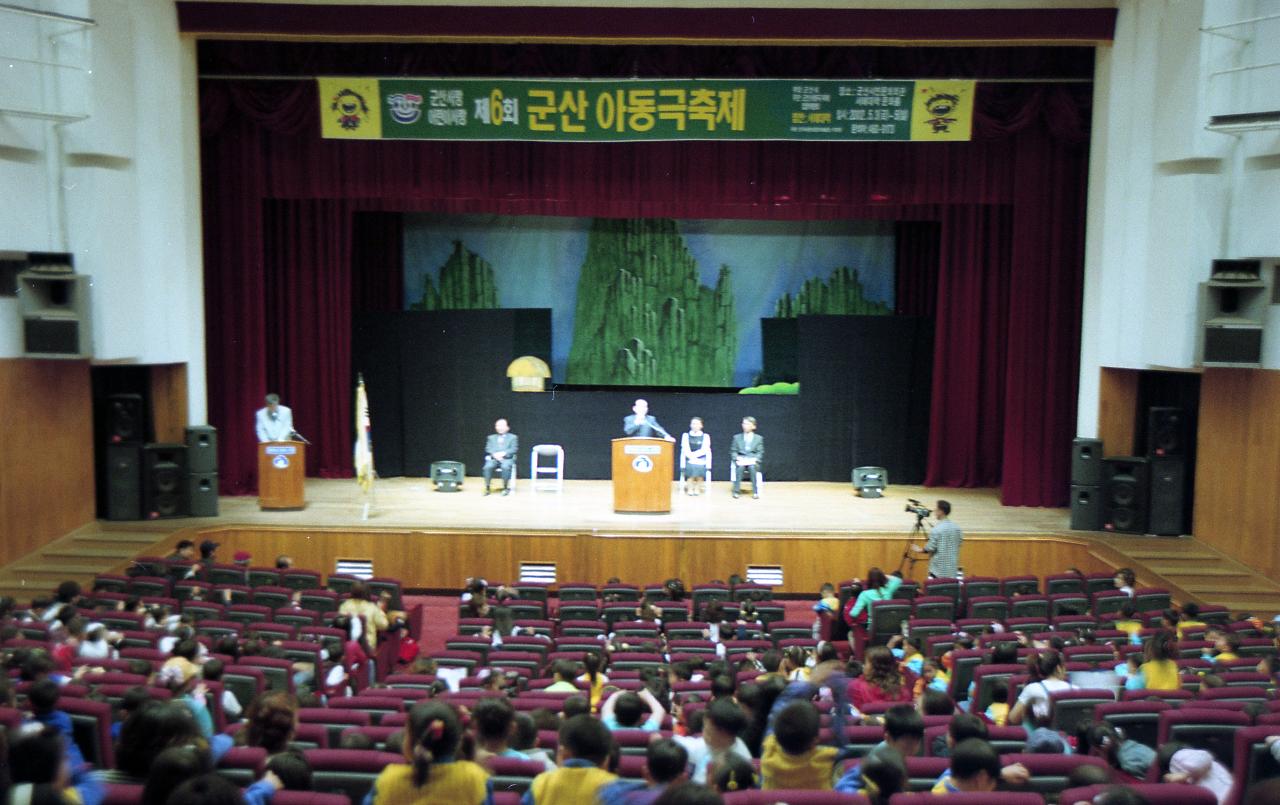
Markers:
<point>881,681</point>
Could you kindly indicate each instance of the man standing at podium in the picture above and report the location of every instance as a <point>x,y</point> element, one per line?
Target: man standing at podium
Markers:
<point>500,448</point>
<point>641,425</point>
<point>275,422</point>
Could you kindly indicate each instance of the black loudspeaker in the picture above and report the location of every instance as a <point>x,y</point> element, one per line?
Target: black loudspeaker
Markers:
<point>202,493</point>
<point>1086,507</point>
<point>1168,485</point>
<point>1166,432</point>
<point>164,481</point>
<point>1124,495</point>
<point>124,482</point>
<point>1086,462</point>
<point>202,450</point>
<point>125,421</point>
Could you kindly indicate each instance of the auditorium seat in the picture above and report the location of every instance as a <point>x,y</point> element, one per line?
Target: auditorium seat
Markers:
<point>946,587</point>
<point>218,629</point>
<point>237,593</point>
<point>1162,793</point>
<point>1138,720</point>
<point>1151,599</point>
<point>934,607</point>
<point>1072,708</point>
<point>620,592</point>
<point>344,771</point>
<point>300,579</point>
<point>979,587</point>
<point>203,610</point>
<point>225,574</point>
<point>793,796</point>
<point>1049,772</point>
<point>242,764</point>
<point>278,673</point>
<point>318,600</point>
<point>91,729</point>
<point>885,620</point>
<point>983,798</point>
<point>1170,697</point>
<point>1108,601</point>
<point>1209,729</point>
<point>989,607</point>
<point>307,798</point>
<point>922,772</point>
<point>1247,694</point>
<point>1029,606</point>
<point>149,585</point>
<point>1011,586</point>
<point>127,794</point>
<point>1059,583</point>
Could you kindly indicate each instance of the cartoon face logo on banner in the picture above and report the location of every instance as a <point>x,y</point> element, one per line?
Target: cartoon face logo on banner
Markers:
<point>351,108</point>
<point>405,107</point>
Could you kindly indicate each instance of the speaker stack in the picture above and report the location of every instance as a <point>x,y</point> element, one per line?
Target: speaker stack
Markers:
<point>164,481</point>
<point>125,426</point>
<point>202,471</point>
<point>1086,485</point>
<point>1146,494</point>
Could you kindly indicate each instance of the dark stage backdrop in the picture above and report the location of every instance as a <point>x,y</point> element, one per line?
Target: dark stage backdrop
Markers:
<point>437,381</point>
<point>279,205</point>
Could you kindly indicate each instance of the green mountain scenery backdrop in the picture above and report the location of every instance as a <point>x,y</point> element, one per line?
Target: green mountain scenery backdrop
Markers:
<point>650,301</point>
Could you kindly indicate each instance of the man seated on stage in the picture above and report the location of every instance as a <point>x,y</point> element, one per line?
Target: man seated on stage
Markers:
<point>500,448</point>
<point>641,425</point>
<point>275,422</point>
<point>747,455</point>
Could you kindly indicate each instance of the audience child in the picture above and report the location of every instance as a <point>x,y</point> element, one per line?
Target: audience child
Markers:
<point>1129,623</point>
<point>935,703</point>
<point>1128,759</point>
<point>272,721</point>
<point>932,678</point>
<point>1160,670</point>
<point>43,697</point>
<point>1125,581</point>
<point>757,700</point>
<point>975,767</point>
<point>1197,767</point>
<point>883,776</point>
<point>665,764</point>
<point>1048,676</point>
<point>41,772</point>
<point>723,721</point>
<point>493,720</point>
<point>998,711</point>
<point>733,773</point>
<point>689,794</point>
<point>211,671</point>
<point>633,711</point>
<point>903,735</point>
<point>524,739</point>
<point>906,650</point>
<point>432,772</point>
<point>583,749</point>
<point>294,772</point>
<point>369,617</point>
<point>593,666</point>
<point>565,671</point>
<point>1226,647</point>
<point>748,624</point>
<point>1189,620</point>
<point>792,757</point>
<point>577,705</point>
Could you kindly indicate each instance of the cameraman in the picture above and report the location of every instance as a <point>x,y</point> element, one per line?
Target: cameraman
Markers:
<point>943,545</point>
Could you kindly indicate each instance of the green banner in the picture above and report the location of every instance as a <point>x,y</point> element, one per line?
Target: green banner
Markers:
<point>589,110</point>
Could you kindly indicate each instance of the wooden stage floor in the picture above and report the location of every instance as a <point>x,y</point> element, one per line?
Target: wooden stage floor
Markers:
<point>800,508</point>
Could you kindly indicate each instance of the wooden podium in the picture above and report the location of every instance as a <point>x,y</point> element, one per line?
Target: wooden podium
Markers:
<point>642,473</point>
<point>282,470</point>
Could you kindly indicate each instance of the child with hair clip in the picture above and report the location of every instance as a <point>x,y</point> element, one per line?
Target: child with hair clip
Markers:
<point>433,773</point>
<point>733,773</point>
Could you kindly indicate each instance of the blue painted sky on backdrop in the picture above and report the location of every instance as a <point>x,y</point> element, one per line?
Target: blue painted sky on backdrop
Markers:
<point>536,261</point>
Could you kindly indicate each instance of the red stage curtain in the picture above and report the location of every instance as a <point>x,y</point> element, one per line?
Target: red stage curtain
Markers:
<point>1010,205</point>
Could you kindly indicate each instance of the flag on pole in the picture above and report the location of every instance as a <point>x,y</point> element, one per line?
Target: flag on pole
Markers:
<point>364,439</point>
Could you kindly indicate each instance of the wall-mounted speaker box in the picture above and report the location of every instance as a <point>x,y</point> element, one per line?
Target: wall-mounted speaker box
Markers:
<point>202,493</point>
<point>1233,307</point>
<point>202,449</point>
<point>1124,495</point>
<point>1086,462</point>
<point>55,315</point>
<point>1166,432</point>
<point>1086,507</point>
<point>164,481</point>
<point>1166,510</point>
<point>124,482</point>
<point>125,420</point>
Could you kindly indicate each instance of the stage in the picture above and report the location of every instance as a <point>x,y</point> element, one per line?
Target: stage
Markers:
<point>784,508</point>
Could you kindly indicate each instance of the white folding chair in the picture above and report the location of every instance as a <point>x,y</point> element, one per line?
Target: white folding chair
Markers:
<point>684,481</point>
<point>537,470</point>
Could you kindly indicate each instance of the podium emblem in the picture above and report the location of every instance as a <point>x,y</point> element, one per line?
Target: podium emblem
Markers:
<point>642,464</point>
<point>280,462</point>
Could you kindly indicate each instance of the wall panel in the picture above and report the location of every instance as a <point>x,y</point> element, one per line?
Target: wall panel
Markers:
<point>1117,409</point>
<point>169,402</point>
<point>442,560</point>
<point>46,475</point>
<point>1238,465</point>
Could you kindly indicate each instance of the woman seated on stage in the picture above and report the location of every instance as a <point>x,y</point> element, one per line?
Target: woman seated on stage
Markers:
<point>695,457</point>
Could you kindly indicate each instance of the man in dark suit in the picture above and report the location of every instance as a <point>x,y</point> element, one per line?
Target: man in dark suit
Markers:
<point>500,449</point>
<point>746,455</point>
<point>641,425</point>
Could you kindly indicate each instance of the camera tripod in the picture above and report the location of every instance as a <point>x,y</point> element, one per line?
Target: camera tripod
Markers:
<point>918,532</point>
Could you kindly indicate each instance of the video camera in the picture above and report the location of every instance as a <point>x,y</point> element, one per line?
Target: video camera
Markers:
<point>917,508</point>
